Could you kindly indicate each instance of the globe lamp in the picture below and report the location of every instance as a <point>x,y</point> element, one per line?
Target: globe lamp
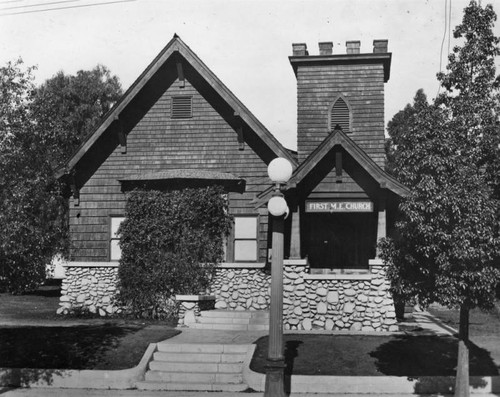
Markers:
<point>277,206</point>
<point>280,170</point>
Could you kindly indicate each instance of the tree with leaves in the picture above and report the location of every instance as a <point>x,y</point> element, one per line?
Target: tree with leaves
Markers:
<point>39,129</point>
<point>30,220</point>
<point>69,107</point>
<point>397,127</point>
<point>447,152</point>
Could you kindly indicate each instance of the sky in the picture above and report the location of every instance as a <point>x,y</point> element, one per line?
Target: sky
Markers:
<point>246,43</point>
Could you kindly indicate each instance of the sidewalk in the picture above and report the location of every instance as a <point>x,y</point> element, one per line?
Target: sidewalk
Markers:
<point>139,393</point>
<point>430,323</point>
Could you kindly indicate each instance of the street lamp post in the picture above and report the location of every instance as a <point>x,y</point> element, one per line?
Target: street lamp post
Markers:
<point>280,171</point>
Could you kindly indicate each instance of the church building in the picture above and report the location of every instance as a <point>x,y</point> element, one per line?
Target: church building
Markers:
<point>179,126</point>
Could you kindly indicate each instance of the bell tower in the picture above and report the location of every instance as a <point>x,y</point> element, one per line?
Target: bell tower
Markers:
<point>341,91</point>
<point>341,183</point>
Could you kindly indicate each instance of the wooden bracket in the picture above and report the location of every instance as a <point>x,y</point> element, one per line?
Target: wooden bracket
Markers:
<point>241,140</point>
<point>338,166</point>
<point>239,131</point>
<point>122,137</point>
<point>74,190</point>
<point>180,70</point>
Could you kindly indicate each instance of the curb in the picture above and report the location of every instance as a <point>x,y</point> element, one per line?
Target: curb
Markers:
<point>386,385</point>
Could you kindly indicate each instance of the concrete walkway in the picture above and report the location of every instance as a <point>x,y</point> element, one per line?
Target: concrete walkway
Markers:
<point>139,393</point>
<point>423,319</point>
<point>430,323</point>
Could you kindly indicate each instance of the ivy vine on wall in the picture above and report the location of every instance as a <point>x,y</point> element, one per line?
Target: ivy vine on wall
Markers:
<point>171,242</point>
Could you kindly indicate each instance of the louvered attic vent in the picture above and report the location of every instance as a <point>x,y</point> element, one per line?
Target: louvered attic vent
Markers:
<point>340,115</point>
<point>182,107</point>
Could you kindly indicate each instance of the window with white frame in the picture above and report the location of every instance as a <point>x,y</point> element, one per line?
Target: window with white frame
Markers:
<point>245,238</point>
<point>115,251</point>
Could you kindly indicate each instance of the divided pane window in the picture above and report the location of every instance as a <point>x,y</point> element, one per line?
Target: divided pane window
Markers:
<point>115,251</point>
<point>340,116</point>
<point>182,107</point>
<point>245,238</point>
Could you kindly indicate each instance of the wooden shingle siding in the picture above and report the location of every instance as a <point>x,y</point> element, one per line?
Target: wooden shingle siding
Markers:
<point>329,184</point>
<point>158,143</point>
<point>362,86</point>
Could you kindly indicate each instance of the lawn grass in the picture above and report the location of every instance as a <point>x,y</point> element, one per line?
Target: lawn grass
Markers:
<point>484,327</point>
<point>40,305</point>
<point>359,355</point>
<point>33,336</point>
<point>78,347</point>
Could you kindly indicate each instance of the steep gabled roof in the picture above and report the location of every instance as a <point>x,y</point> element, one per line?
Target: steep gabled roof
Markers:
<point>338,137</point>
<point>174,48</point>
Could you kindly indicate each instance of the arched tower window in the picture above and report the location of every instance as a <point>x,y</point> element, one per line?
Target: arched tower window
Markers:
<point>340,116</point>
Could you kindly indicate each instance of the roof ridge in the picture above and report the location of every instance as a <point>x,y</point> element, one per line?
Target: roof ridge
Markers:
<point>173,46</point>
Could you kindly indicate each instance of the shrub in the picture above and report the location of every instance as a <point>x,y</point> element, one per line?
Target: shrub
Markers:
<point>170,244</point>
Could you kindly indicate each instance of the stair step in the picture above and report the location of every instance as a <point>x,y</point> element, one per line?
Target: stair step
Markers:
<point>191,386</point>
<point>187,377</point>
<point>201,348</point>
<point>258,327</point>
<point>226,327</point>
<point>197,357</point>
<point>230,320</point>
<point>231,327</point>
<point>235,313</point>
<point>196,367</point>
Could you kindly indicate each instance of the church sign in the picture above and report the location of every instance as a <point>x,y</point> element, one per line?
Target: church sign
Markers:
<point>339,206</point>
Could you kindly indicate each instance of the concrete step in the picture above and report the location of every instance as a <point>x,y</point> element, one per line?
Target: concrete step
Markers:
<point>231,320</point>
<point>235,313</point>
<point>196,357</point>
<point>196,367</point>
<point>230,327</point>
<point>191,386</point>
<point>200,377</point>
<point>200,348</point>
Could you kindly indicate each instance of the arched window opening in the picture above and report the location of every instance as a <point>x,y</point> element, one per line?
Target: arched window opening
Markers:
<point>340,116</point>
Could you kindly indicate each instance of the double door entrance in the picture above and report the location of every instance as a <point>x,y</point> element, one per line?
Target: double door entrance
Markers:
<point>340,240</point>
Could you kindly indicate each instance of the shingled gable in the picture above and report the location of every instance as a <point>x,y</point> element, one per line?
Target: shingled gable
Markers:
<point>338,137</point>
<point>179,52</point>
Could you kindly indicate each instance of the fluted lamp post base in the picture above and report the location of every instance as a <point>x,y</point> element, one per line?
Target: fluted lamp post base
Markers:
<point>275,379</point>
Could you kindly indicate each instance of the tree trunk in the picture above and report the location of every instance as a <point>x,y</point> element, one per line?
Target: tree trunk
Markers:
<point>462,379</point>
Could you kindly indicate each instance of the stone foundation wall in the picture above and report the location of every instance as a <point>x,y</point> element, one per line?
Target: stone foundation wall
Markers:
<point>355,302</point>
<point>89,287</point>
<point>241,288</point>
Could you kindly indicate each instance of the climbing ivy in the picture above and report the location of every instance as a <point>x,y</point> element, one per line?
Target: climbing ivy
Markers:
<point>171,242</point>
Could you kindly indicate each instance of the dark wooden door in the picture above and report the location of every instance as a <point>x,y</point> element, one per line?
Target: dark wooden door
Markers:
<point>341,241</point>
